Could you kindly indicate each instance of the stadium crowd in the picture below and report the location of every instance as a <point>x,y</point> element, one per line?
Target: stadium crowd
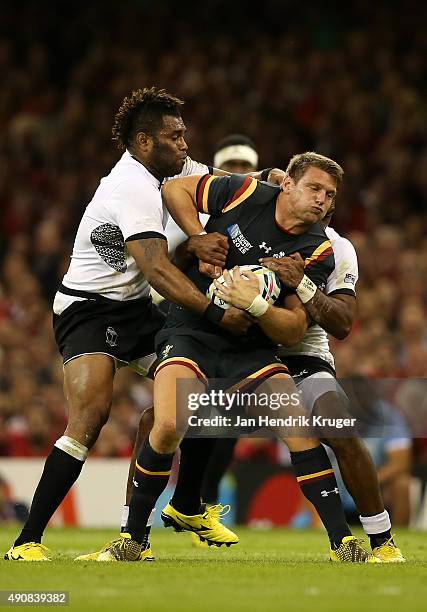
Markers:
<point>353,89</point>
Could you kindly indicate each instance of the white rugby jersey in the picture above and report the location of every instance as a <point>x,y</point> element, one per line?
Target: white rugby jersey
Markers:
<point>174,233</point>
<point>126,203</point>
<point>343,279</point>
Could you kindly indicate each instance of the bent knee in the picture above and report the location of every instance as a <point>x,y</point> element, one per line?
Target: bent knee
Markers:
<point>166,432</point>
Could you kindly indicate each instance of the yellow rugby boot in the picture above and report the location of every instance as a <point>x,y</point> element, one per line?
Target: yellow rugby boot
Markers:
<point>206,525</point>
<point>196,542</point>
<point>30,551</point>
<point>351,551</point>
<point>122,549</point>
<point>388,552</point>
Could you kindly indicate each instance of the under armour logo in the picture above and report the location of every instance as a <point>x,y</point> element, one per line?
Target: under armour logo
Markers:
<point>263,246</point>
<point>111,336</point>
<point>166,350</point>
<point>326,493</point>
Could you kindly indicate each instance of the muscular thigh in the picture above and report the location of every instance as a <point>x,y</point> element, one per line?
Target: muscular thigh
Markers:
<point>88,388</point>
<point>89,378</point>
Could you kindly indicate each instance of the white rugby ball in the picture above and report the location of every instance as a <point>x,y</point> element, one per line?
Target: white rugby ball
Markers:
<point>269,285</point>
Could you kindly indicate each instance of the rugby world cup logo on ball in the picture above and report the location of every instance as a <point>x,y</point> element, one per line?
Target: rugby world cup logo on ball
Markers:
<point>270,286</point>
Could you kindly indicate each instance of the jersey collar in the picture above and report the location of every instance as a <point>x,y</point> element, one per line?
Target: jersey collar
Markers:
<point>131,159</point>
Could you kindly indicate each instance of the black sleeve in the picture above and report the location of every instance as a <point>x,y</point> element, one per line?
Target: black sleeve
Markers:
<point>218,194</point>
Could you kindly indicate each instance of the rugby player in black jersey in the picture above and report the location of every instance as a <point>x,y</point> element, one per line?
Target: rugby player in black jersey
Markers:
<point>311,365</point>
<point>258,218</point>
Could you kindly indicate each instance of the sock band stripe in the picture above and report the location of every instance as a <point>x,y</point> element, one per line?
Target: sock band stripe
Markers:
<point>315,476</point>
<point>72,447</point>
<point>150,473</point>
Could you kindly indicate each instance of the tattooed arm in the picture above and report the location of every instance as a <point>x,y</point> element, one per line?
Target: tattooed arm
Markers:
<point>335,312</point>
<point>151,256</point>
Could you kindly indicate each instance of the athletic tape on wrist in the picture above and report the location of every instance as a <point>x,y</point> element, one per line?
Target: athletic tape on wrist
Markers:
<point>258,307</point>
<point>306,289</point>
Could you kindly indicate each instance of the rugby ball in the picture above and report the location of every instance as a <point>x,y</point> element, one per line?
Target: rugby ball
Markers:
<point>269,285</point>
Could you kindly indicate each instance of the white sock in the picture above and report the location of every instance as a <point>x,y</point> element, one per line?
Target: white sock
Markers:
<point>376,524</point>
<point>72,447</point>
<point>125,516</point>
<point>151,518</point>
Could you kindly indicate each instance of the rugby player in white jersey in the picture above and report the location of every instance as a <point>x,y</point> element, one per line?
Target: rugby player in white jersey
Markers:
<point>103,315</point>
<point>332,310</point>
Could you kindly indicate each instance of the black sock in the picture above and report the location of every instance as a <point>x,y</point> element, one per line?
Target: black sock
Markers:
<point>152,471</point>
<point>61,470</point>
<point>376,539</point>
<point>195,454</point>
<point>218,463</point>
<point>316,478</point>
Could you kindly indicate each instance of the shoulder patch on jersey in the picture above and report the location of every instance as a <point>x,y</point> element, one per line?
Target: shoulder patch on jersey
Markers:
<point>202,192</point>
<point>241,194</point>
<point>110,245</point>
<point>350,279</point>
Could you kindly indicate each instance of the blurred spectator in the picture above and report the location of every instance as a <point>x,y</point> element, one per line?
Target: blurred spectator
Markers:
<point>337,83</point>
<point>388,439</point>
<point>236,153</point>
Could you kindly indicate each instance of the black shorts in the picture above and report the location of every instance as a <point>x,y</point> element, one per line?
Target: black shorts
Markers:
<point>214,357</point>
<point>303,366</point>
<point>124,330</point>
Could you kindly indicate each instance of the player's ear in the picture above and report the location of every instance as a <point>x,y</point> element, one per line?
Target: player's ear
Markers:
<point>144,142</point>
<point>287,183</point>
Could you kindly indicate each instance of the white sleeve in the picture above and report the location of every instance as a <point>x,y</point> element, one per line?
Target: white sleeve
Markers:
<point>346,272</point>
<point>174,234</point>
<point>190,168</point>
<point>137,208</point>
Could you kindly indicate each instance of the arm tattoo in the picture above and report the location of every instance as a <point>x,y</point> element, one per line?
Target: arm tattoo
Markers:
<point>319,307</point>
<point>153,248</point>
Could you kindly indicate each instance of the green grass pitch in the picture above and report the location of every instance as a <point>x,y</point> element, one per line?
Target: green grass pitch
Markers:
<point>268,571</point>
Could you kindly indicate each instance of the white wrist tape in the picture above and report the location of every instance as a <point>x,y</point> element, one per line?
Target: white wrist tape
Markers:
<point>202,233</point>
<point>306,289</point>
<point>258,307</point>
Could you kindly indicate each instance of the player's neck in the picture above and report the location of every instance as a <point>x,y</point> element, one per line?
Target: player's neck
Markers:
<point>151,169</point>
<point>290,224</point>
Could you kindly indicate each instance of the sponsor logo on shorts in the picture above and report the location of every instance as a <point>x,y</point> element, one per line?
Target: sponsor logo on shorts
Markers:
<point>166,350</point>
<point>300,374</point>
<point>111,336</point>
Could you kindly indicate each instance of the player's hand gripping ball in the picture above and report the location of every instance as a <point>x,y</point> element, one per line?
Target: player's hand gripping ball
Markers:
<point>270,286</point>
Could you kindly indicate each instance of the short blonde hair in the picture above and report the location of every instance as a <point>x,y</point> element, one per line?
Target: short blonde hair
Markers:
<point>300,163</point>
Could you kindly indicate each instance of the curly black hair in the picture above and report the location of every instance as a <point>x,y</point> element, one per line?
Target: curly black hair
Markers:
<point>143,111</point>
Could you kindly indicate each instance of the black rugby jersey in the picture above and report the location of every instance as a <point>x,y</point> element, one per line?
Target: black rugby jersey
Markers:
<point>244,209</point>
